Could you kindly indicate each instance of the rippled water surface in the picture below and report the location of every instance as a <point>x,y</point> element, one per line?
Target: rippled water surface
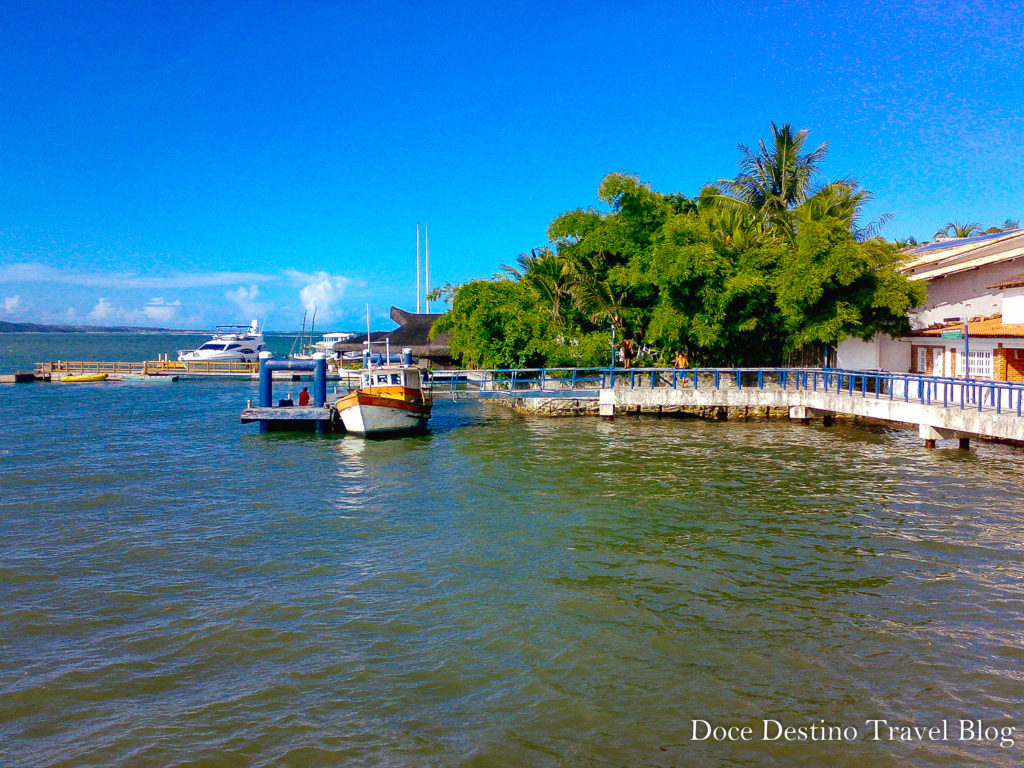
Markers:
<point>177,589</point>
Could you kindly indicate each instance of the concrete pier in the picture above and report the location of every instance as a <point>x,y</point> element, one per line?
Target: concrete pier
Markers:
<point>935,421</point>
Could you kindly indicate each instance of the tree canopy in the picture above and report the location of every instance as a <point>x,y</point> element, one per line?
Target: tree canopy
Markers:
<point>755,270</point>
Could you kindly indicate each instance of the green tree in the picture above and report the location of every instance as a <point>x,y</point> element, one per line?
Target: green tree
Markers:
<point>496,324</point>
<point>830,286</point>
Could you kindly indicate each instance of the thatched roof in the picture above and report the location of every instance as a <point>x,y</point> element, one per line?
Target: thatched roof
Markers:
<point>413,331</point>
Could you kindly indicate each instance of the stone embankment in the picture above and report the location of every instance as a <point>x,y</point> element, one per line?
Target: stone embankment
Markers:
<point>564,406</point>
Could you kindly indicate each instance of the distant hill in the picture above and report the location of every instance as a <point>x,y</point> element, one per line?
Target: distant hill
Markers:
<point>6,327</point>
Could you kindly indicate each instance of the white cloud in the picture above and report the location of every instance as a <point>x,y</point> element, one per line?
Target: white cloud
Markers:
<point>11,303</point>
<point>319,291</point>
<point>103,312</point>
<point>160,310</point>
<point>246,301</point>
<point>31,272</point>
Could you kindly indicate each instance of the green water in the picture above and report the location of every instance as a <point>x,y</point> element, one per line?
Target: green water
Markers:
<point>177,589</point>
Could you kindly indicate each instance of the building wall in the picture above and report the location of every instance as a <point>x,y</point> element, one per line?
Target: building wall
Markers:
<point>857,355</point>
<point>881,353</point>
<point>1013,306</point>
<point>965,294</point>
<point>894,354</point>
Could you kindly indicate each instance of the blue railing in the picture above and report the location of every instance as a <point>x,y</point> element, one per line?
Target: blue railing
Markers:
<point>587,382</point>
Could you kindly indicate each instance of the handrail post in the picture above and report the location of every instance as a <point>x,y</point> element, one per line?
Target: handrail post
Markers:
<point>718,378</point>
<point>739,379</point>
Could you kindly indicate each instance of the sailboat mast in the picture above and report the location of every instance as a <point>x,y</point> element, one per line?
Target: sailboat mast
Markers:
<point>302,335</point>
<point>426,263</point>
<point>417,269</point>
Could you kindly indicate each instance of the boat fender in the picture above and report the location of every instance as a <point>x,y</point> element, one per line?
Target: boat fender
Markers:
<point>335,416</point>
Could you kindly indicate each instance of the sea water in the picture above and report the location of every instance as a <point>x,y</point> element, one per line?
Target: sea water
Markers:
<point>178,589</point>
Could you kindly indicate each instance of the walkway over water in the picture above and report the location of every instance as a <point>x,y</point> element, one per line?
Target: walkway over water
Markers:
<point>941,407</point>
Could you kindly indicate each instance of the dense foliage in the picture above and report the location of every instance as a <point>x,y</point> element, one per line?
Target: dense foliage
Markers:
<point>757,270</point>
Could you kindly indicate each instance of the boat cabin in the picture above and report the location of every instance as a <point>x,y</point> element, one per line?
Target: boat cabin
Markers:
<point>407,378</point>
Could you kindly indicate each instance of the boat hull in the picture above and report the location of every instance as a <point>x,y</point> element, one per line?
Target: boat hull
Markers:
<point>84,378</point>
<point>376,416</point>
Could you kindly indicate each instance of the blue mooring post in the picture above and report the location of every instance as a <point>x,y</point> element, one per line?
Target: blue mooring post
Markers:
<point>266,385</point>
<point>266,381</point>
<point>320,386</point>
<point>319,379</point>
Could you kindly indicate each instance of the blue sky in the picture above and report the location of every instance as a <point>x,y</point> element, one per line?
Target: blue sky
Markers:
<point>188,164</point>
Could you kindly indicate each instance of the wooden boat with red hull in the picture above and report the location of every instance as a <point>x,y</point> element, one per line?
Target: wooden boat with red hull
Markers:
<point>390,400</point>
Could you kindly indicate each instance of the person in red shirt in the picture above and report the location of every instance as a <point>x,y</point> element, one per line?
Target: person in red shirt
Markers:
<point>304,396</point>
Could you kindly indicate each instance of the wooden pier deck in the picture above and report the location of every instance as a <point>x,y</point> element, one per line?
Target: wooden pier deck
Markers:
<point>56,370</point>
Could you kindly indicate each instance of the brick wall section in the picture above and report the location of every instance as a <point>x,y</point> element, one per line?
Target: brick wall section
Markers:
<point>1014,364</point>
<point>932,354</point>
<point>999,363</point>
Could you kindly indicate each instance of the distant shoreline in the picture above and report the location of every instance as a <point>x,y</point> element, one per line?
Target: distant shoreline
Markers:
<point>8,327</point>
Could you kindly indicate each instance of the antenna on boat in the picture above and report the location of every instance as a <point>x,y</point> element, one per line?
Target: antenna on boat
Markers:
<point>417,268</point>
<point>426,264</point>
<point>369,356</point>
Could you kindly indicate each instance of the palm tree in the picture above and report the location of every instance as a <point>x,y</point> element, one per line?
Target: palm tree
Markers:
<point>842,200</point>
<point>777,178</point>
<point>543,270</point>
<point>956,229</point>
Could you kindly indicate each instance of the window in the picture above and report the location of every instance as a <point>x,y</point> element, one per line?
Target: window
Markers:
<point>396,379</point>
<point>922,360</point>
<point>979,364</point>
<point>234,346</point>
<point>213,347</point>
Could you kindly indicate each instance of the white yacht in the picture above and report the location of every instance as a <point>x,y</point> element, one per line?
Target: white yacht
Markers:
<point>325,345</point>
<point>230,344</point>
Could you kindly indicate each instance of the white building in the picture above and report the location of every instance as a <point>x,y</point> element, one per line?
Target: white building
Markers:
<point>980,279</point>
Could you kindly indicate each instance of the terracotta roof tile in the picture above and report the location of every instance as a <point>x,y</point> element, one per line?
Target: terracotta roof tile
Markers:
<point>989,327</point>
<point>1011,282</point>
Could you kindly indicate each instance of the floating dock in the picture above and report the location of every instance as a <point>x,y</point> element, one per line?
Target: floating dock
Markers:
<point>318,416</point>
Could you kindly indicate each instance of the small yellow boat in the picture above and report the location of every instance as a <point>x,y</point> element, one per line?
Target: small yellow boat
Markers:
<point>83,377</point>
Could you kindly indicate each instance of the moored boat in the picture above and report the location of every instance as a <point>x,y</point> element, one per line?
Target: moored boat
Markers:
<point>158,378</point>
<point>391,400</point>
<point>81,378</point>
<point>230,344</point>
